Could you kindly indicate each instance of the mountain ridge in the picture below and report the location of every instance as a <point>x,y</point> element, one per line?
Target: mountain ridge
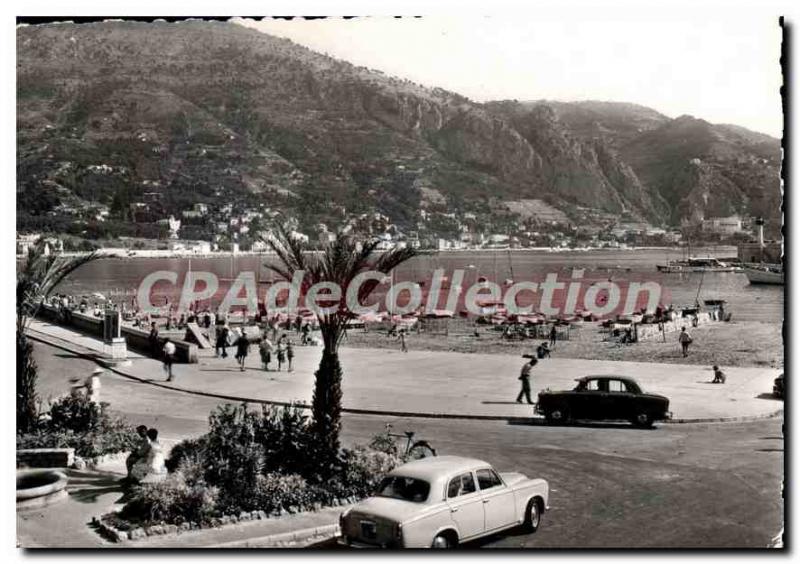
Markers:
<point>181,104</point>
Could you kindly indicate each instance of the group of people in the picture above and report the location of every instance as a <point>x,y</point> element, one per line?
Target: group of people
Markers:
<point>146,462</point>
<point>283,351</point>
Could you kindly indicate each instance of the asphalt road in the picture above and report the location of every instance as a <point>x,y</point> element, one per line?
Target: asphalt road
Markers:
<point>612,486</point>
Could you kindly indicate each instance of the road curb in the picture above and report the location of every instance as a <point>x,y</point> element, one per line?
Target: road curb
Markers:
<point>284,540</point>
<point>94,356</point>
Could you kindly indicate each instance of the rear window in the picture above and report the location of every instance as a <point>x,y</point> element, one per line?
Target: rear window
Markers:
<point>408,489</point>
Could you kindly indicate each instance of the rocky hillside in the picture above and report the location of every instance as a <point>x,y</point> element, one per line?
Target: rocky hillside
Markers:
<point>111,114</point>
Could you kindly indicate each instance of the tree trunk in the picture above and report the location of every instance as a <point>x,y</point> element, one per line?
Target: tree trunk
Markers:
<point>327,406</point>
<point>27,399</point>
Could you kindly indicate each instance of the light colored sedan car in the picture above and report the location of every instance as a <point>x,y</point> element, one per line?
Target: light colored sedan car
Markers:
<point>442,501</point>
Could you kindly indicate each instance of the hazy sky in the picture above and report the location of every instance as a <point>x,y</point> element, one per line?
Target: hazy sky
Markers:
<point>723,69</point>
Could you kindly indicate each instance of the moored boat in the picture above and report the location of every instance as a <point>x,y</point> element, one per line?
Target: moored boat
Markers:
<point>765,274</point>
<point>698,264</point>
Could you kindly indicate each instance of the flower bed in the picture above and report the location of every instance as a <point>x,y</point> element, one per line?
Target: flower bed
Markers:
<point>250,465</point>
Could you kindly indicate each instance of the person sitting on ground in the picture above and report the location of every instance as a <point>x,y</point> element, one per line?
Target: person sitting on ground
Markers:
<point>719,375</point>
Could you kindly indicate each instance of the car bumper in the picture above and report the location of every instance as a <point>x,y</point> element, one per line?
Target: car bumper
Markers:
<point>350,543</point>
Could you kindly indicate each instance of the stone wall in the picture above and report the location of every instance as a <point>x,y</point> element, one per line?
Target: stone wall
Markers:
<point>45,457</point>
<point>136,339</point>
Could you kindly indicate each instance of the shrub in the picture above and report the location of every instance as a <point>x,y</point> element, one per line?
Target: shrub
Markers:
<point>286,440</point>
<point>75,422</point>
<point>76,412</point>
<point>274,491</point>
<point>172,500</point>
<point>186,449</point>
<point>233,457</point>
<point>362,469</point>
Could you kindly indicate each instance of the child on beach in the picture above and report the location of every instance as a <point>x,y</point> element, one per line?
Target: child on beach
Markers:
<point>265,348</point>
<point>289,355</point>
<point>281,354</point>
<point>685,340</point>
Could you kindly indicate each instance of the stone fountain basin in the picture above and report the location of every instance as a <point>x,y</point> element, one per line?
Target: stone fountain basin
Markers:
<point>38,488</point>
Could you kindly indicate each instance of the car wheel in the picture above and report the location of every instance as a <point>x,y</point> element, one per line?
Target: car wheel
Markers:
<point>557,415</point>
<point>533,516</point>
<point>443,541</point>
<point>643,419</point>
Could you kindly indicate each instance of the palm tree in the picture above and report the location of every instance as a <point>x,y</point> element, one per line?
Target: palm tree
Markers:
<point>338,262</point>
<point>36,279</point>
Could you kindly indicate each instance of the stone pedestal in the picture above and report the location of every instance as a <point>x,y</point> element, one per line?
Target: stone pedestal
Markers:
<point>117,349</point>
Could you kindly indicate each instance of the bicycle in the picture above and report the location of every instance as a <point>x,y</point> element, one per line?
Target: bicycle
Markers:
<point>414,450</point>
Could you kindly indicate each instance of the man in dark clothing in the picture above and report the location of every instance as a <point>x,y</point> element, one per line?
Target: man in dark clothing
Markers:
<point>155,349</point>
<point>222,340</point>
<point>525,379</point>
<point>553,335</point>
<point>543,351</point>
<point>242,348</point>
<point>685,340</point>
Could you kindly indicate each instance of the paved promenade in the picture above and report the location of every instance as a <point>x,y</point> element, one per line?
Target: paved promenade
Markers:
<point>444,384</point>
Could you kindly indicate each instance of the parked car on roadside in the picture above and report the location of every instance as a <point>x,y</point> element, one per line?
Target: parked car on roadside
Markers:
<point>777,387</point>
<point>441,502</point>
<point>603,398</point>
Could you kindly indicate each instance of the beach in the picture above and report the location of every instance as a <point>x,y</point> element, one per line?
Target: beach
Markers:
<point>749,343</point>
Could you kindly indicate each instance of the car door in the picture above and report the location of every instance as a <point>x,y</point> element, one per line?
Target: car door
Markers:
<point>498,500</point>
<point>466,505</point>
<point>585,400</point>
<point>620,401</point>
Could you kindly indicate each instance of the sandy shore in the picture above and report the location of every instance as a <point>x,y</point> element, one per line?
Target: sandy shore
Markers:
<point>725,344</point>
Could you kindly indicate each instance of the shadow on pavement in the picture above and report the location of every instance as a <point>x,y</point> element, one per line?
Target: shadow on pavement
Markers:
<point>538,422</point>
<point>768,396</point>
<point>86,487</point>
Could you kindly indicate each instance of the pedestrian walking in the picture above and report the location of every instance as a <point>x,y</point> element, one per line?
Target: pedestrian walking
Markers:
<point>281,354</point>
<point>289,356</point>
<point>222,340</point>
<point>169,357</point>
<point>242,348</point>
<point>153,339</point>
<point>553,336</point>
<point>265,350</point>
<point>402,337</point>
<point>306,330</point>
<point>93,386</point>
<point>525,380</point>
<point>685,340</point>
<point>719,375</point>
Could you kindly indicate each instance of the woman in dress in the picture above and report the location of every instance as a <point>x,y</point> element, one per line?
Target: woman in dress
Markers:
<point>151,468</point>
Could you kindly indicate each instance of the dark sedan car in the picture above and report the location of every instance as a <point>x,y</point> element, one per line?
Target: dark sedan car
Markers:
<point>604,398</point>
<point>777,387</point>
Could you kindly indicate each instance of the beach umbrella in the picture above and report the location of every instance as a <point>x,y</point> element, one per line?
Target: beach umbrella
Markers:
<point>98,296</point>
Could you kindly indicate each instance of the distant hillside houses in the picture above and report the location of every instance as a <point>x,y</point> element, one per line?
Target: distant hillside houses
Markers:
<point>723,225</point>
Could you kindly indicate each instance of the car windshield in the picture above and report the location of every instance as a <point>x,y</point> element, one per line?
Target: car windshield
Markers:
<point>400,487</point>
